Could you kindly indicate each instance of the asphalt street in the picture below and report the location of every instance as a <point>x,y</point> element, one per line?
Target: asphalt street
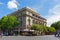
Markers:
<point>46,37</point>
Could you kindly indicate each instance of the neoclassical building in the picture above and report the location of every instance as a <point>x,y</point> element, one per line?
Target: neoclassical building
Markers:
<point>26,16</point>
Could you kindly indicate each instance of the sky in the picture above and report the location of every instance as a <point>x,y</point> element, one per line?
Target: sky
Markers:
<point>49,9</point>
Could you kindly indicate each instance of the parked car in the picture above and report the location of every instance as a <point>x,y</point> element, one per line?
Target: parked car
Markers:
<point>57,34</point>
<point>5,34</point>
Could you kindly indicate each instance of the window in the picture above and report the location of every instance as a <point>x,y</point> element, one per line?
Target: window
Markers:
<point>33,14</point>
<point>33,21</point>
<point>21,23</point>
<point>20,20</point>
<point>29,20</point>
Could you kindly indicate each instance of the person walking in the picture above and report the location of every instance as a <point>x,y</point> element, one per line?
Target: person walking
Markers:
<point>0,34</point>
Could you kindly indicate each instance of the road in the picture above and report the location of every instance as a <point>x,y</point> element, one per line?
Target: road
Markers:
<point>46,37</point>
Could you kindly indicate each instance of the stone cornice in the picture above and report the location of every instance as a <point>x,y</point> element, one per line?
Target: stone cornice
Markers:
<point>30,10</point>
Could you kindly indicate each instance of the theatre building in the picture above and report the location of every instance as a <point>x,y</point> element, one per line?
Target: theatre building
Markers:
<point>27,16</point>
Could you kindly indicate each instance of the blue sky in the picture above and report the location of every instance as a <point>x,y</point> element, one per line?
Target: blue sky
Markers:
<point>49,9</point>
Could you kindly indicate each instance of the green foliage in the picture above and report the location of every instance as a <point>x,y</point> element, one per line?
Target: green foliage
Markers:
<point>0,24</point>
<point>34,27</point>
<point>45,29</point>
<point>56,25</point>
<point>12,22</point>
<point>3,23</point>
<point>39,27</point>
<point>8,22</point>
<point>51,29</point>
<point>42,28</point>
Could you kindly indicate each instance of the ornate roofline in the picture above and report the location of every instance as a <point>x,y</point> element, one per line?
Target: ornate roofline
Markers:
<point>30,10</point>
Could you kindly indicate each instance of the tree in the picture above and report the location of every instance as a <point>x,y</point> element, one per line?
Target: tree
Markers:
<point>56,25</point>
<point>3,23</point>
<point>42,29</point>
<point>0,24</point>
<point>39,28</point>
<point>45,29</point>
<point>34,27</point>
<point>51,29</point>
<point>8,22</point>
<point>12,22</point>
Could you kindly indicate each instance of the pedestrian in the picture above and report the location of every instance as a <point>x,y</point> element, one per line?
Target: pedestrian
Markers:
<point>0,34</point>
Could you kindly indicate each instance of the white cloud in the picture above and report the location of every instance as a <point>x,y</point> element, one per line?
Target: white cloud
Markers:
<point>56,10</point>
<point>54,15</point>
<point>12,4</point>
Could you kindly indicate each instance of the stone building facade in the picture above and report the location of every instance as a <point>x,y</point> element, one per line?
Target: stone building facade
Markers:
<point>26,16</point>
